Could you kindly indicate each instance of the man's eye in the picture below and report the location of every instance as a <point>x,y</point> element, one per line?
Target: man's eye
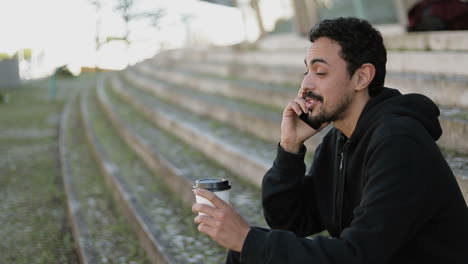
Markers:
<point>317,73</point>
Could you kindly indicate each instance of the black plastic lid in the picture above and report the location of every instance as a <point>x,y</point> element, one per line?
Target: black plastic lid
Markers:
<point>213,185</point>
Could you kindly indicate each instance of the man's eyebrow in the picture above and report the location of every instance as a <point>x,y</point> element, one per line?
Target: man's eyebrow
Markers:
<point>316,61</point>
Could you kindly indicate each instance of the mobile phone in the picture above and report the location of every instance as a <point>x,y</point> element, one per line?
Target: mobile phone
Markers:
<point>304,117</point>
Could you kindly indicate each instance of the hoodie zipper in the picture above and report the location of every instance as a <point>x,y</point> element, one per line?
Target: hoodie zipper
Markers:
<point>341,160</point>
<point>340,187</point>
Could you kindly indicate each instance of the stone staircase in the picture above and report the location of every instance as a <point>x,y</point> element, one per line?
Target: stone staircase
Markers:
<point>434,64</point>
<point>183,115</point>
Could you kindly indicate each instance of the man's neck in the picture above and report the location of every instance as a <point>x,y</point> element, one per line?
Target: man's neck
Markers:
<point>349,122</point>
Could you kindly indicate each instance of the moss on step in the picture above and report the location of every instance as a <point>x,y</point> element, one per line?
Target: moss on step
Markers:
<point>173,221</point>
<point>110,233</point>
<point>190,161</point>
<point>32,201</point>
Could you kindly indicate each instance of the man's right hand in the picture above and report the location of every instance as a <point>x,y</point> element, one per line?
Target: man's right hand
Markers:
<point>294,132</point>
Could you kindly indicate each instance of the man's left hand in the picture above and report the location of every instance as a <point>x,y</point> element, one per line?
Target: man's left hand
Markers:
<point>222,223</point>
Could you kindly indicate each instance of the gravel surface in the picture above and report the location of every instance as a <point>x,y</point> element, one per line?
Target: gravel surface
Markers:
<point>193,164</point>
<point>174,221</point>
<point>270,69</point>
<point>428,77</point>
<point>239,81</point>
<point>270,113</point>
<point>457,113</point>
<point>34,225</point>
<point>458,163</point>
<point>110,235</point>
<point>27,134</point>
<point>256,147</point>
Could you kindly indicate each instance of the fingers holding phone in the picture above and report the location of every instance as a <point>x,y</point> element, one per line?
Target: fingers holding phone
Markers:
<point>296,127</point>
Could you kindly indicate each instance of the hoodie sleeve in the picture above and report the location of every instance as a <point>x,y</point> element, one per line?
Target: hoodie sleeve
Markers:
<point>287,196</point>
<point>397,201</point>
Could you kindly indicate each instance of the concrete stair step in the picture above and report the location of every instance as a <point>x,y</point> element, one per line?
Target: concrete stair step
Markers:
<point>244,155</point>
<point>455,128</point>
<point>174,177</point>
<point>189,162</point>
<point>86,251</point>
<point>253,119</point>
<point>452,138</point>
<point>246,116</point>
<point>459,164</point>
<point>446,92</point>
<point>454,124</point>
<point>100,231</point>
<point>427,41</point>
<point>451,93</point>
<point>163,225</point>
<point>444,63</point>
<point>445,88</point>
<point>257,57</point>
<point>277,75</point>
<point>259,92</point>
<point>258,120</point>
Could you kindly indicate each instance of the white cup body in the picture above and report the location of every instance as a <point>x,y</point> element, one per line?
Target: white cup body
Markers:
<point>223,195</point>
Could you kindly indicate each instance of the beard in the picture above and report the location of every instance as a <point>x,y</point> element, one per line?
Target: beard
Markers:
<point>330,115</point>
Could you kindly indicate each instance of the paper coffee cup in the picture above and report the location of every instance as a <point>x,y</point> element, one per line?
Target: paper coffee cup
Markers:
<point>220,187</point>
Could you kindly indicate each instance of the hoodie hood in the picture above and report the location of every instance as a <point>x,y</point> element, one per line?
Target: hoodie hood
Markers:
<point>392,102</point>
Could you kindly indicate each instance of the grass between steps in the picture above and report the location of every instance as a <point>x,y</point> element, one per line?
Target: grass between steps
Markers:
<point>238,104</point>
<point>458,162</point>
<point>244,196</point>
<point>456,113</point>
<point>293,87</point>
<point>110,235</point>
<point>33,215</point>
<point>173,221</point>
<point>251,144</point>
<point>195,165</point>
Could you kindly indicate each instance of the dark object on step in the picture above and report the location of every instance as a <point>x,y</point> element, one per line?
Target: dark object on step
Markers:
<point>432,15</point>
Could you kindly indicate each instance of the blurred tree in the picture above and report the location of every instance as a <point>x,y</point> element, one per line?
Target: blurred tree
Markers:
<point>256,7</point>
<point>4,56</point>
<point>114,38</point>
<point>98,6</point>
<point>155,17</point>
<point>126,8</point>
<point>23,54</point>
<point>306,13</point>
<point>186,18</point>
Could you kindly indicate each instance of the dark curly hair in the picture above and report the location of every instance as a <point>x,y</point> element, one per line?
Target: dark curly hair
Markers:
<point>360,43</point>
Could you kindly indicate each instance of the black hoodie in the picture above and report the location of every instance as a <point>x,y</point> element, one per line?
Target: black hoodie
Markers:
<point>385,195</point>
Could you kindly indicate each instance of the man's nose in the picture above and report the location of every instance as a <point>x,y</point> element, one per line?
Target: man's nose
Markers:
<point>307,83</point>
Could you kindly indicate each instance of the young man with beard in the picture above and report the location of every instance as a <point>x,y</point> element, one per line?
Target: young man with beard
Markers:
<point>378,183</point>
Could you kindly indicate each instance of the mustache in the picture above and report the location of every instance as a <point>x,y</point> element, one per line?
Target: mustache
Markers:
<point>312,95</point>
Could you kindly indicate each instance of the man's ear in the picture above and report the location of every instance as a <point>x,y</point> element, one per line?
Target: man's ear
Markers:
<point>365,75</point>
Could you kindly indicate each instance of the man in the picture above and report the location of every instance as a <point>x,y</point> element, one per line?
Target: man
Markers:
<point>378,183</point>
